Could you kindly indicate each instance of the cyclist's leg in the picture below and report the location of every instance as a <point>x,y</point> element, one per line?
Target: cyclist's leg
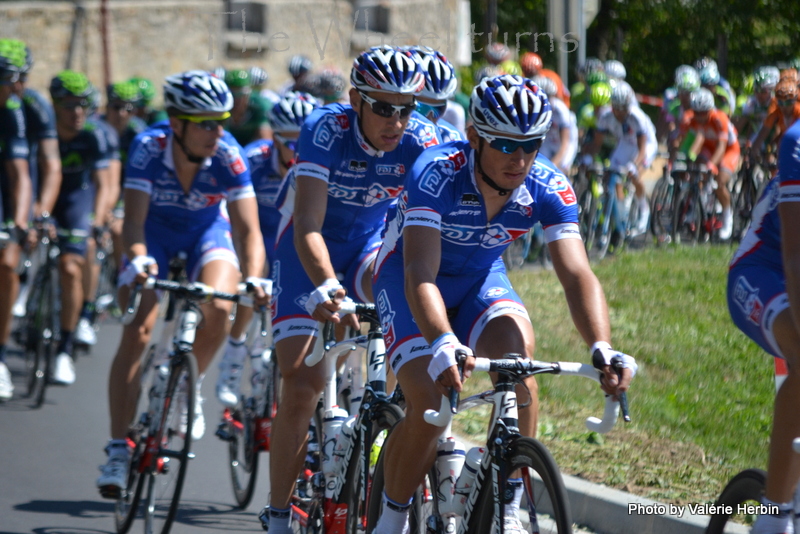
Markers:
<point>410,449</point>
<point>9,258</point>
<point>728,166</point>
<point>759,307</point>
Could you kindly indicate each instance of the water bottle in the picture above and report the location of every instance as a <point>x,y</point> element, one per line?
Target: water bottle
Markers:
<point>340,448</point>
<point>258,381</point>
<point>465,482</point>
<point>332,423</point>
<point>449,461</point>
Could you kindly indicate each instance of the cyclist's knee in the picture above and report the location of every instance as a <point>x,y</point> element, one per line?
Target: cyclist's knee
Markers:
<point>299,396</point>
<point>71,266</point>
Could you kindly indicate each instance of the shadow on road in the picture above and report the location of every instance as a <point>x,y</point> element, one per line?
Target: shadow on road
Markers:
<point>215,516</point>
<point>68,508</point>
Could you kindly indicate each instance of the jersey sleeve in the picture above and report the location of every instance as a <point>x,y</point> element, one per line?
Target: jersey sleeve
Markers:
<point>235,171</point>
<point>16,144</point>
<point>789,166</point>
<point>143,150</point>
<point>558,205</point>
<point>40,117</point>
<point>605,121</point>
<point>321,131</point>
<point>430,188</point>
<point>101,148</point>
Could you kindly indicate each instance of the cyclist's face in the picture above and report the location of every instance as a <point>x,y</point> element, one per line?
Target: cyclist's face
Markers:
<point>198,139</point>
<point>508,170</point>
<point>118,114</point>
<point>763,96</point>
<point>71,113</point>
<point>621,114</point>
<point>384,133</point>
<point>701,116</point>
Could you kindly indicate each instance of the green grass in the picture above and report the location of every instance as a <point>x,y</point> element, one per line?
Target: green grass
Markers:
<point>702,400</point>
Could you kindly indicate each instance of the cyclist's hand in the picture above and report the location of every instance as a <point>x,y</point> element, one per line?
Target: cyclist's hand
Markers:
<point>138,270</point>
<point>262,290</point>
<point>443,369</point>
<point>713,169</point>
<point>323,303</point>
<point>603,356</point>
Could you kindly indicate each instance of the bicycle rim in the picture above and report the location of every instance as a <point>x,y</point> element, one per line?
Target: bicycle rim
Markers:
<point>127,505</point>
<point>243,451</point>
<point>745,488</point>
<point>173,432</point>
<point>587,218</point>
<point>358,497</point>
<point>544,507</point>
<point>661,211</point>
<point>607,225</point>
<point>687,219</point>
<point>45,338</point>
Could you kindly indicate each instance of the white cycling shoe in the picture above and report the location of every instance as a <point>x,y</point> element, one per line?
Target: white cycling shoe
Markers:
<point>84,333</point>
<point>114,478</point>
<point>230,374</point>
<point>63,370</point>
<point>199,424</point>
<point>6,386</point>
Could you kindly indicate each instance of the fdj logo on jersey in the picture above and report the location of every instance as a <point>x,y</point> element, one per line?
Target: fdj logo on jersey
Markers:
<point>328,129</point>
<point>558,185</point>
<point>387,317</point>
<point>398,169</point>
<point>436,176</point>
<point>746,297</point>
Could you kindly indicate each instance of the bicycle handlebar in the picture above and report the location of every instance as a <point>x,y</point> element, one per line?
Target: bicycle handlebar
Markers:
<point>347,307</point>
<point>524,367</point>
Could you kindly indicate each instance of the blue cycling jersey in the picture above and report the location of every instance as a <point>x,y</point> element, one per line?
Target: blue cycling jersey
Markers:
<point>40,124</point>
<point>13,145</point>
<point>762,243</point>
<point>151,170</point>
<point>441,193</point>
<point>265,173</point>
<point>361,181</point>
<point>448,132</point>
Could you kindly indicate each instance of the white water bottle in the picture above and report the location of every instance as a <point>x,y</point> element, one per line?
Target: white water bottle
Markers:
<point>449,461</point>
<point>467,479</point>
<point>332,423</point>
<point>157,388</point>
<point>340,448</point>
<point>258,381</point>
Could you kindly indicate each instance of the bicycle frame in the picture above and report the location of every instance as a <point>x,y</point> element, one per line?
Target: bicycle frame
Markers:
<point>374,394</point>
<point>503,430</point>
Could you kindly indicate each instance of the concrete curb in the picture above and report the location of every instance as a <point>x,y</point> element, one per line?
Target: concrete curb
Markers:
<point>608,511</point>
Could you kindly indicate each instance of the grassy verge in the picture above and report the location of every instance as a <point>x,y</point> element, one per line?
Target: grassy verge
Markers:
<point>702,401</point>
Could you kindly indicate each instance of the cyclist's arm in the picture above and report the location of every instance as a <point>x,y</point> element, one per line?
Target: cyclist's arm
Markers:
<point>719,152</point>
<point>559,156</point>
<point>585,297</point>
<point>102,179</point>
<point>50,176</point>
<point>311,203</point>
<point>244,221</point>
<point>790,247</point>
<point>19,180</point>
<point>421,257</point>
<point>594,147</point>
<point>137,205</point>
<point>114,179</point>
<point>641,141</point>
<point>694,150</point>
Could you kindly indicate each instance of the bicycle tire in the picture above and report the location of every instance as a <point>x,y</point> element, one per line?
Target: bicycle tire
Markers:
<point>126,507</point>
<point>545,494</point>
<point>46,336</point>
<point>35,333</point>
<point>358,510</point>
<point>661,202</point>
<point>688,218</point>
<point>587,218</point>
<point>174,437</point>
<point>608,224</point>
<point>747,486</point>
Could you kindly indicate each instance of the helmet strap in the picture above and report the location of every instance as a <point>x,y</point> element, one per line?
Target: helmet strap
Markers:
<point>361,125</point>
<point>191,157</point>
<point>485,177</point>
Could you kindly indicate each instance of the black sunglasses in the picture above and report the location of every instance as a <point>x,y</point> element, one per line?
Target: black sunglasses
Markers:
<point>509,146</point>
<point>386,110</point>
<point>74,104</point>
<point>122,106</point>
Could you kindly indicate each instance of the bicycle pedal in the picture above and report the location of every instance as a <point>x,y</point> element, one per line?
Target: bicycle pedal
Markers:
<point>111,492</point>
<point>222,432</point>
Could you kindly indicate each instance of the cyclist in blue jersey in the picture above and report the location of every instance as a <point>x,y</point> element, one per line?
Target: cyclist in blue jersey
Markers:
<point>79,207</point>
<point>270,160</point>
<point>440,85</point>
<point>441,286</point>
<point>351,163</point>
<point>15,193</point>
<point>177,177</point>
<point>764,302</point>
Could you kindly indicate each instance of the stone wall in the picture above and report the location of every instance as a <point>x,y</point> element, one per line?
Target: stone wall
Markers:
<point>156,38</point>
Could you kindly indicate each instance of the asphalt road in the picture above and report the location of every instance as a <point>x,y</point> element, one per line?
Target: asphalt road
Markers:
<point>49,460</point>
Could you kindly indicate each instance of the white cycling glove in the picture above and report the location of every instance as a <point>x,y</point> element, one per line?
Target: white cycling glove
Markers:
<point>444,354</point>
<point>322,294</point>
<point>631,169</point>
<point>138,265</point>
<point>263,283</point>
<point>602,354</point>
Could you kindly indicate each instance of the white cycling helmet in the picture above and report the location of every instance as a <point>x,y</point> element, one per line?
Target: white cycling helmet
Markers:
<point>615,69</point>
<point>440,75</point>
<point>387,69</point>
<point>291,111</point>
<point>546,84</point>
<point>686,79</point>
<point>510,107</point>
<point>197,92</point>
<point>622,95</point>
<point>702,100</point>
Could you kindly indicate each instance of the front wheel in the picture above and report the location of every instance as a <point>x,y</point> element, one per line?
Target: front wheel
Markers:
<point>545,501</point>
<point>745,488</point>
<point>171,436</point>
